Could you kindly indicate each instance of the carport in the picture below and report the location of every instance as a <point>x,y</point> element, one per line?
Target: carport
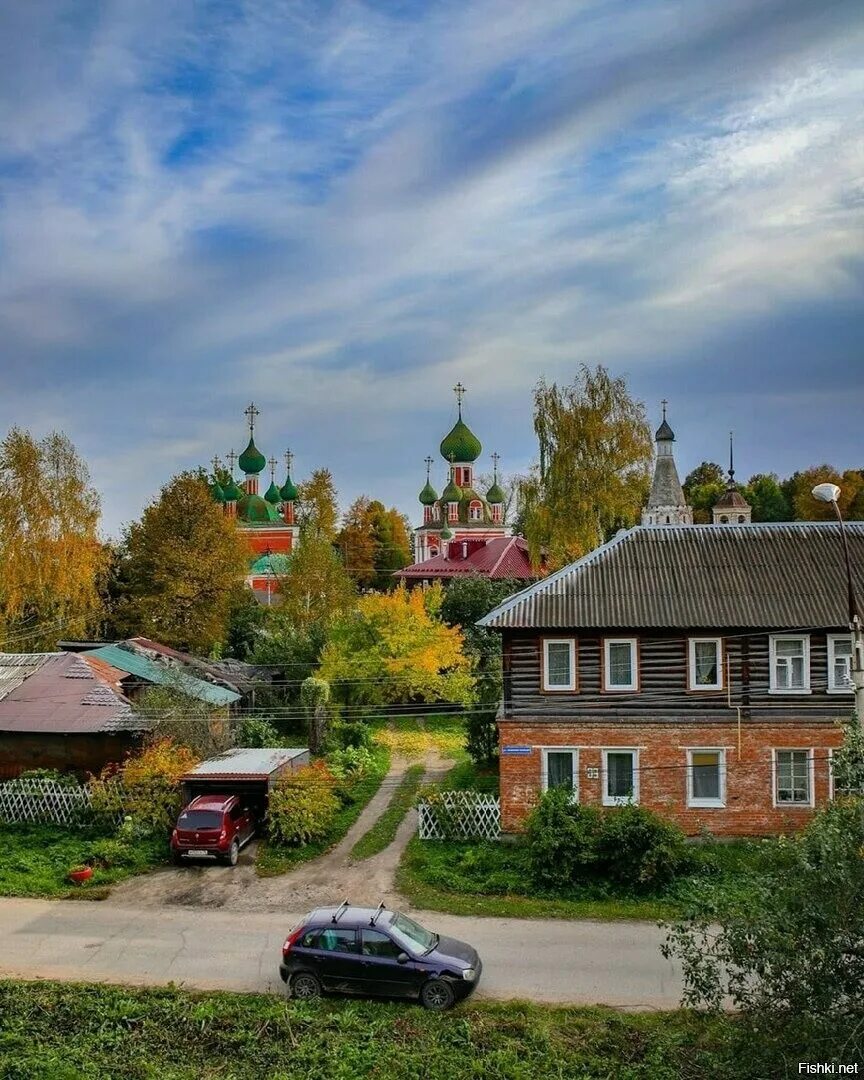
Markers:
<point>244,771</point>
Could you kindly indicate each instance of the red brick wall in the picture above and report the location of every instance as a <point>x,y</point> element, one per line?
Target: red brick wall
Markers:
<point>277,541</point>
<point>749,809</point>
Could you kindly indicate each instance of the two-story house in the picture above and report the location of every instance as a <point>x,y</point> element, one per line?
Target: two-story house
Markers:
<point>700,671</point>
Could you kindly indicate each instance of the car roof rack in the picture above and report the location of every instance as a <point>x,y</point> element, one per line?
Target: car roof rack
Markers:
<point>340,911</point>
<point>378,911</point>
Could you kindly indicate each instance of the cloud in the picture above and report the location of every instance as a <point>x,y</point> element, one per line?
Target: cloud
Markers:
<point>342,209</point>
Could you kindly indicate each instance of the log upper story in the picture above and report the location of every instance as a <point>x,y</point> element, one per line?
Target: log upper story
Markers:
<point>700,674</point>
<point>688,622</point>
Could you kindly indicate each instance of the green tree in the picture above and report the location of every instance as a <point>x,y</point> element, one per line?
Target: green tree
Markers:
<point>246,620</point>
<point>466,601</point>
<point>390,650</point>
<point>52,562</point>
<point>702,488</point>
<point>318,510</point>
<point>765,495</point>
<point>594,469</point>
<point>179,568</point>
<point>356,543</point>
<point>786,947</point>
<point>317,588</point>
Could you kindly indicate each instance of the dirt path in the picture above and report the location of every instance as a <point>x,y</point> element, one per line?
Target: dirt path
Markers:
<point>325,880</point>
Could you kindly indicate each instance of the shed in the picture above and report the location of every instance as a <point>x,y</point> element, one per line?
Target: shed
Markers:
<point>246,771</point>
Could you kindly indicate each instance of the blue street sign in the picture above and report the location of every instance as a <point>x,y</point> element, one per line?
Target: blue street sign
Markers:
<point>516,749</point>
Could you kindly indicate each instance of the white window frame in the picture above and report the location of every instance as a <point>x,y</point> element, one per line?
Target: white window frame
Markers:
<point>701,803</point>
<point>691,664</point>
<point>772,655</point>
<point>475,510</point>
<point>808,750</point>
<point>832,645</point>
<point>573,751</point>
<point>633,685</point>
<point>620,800</point>
<point>571,686</point>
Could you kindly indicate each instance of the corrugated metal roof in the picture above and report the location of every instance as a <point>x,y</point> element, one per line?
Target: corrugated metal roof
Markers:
<point>64,696</point>
<point>134,663</point>
<point>778,575</point>
<point>16,667</point>
<point>246,761</point>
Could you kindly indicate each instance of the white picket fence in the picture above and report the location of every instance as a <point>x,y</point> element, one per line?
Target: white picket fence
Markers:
<point>41,799</point>
<point>460,815</point>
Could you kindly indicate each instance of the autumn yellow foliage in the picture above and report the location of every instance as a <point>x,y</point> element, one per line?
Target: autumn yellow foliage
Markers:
<point>147,785</point>
<point>390,650</point>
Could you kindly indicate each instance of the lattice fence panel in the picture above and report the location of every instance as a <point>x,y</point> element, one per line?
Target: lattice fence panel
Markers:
<point>42,799</point>
<point>460,815</point>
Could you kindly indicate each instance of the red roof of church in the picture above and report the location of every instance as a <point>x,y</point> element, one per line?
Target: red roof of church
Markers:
<point>502,557</point>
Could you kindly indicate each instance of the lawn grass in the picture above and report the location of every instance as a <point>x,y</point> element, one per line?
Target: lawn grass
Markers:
<point>491,878</point>
<point>54,1031</point>
<point>416,736</point>
<point>274,859</point>
<point>383,832</point>
<point>35,860</point>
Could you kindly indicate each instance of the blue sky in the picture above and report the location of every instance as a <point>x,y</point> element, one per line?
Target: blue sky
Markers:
<point>340,209</point>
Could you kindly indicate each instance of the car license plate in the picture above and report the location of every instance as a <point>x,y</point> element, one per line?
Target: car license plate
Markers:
<point>198,854</point>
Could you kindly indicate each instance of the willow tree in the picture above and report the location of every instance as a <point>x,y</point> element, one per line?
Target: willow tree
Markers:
<point>179,568</point>
<point>594,469</point>
<point>51,559</point>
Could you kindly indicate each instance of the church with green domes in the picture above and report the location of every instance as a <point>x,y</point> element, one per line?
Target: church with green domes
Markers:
<point>460,512</point>
<point>267,520</point>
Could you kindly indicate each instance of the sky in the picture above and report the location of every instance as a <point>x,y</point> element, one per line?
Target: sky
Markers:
<point>340,209</point>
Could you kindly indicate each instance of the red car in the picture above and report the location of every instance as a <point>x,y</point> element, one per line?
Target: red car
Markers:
<point>213,827</point>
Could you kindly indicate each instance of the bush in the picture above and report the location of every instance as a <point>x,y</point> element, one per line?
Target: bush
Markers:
<point>303,805</point>
<point>345,733</point>
<point>256,731</point>
<point>148,790</point>
<point>110,852</point>
<point>351,762</point>
<point>640,849</point>
<point>628,846</point>
<point>562,840</point>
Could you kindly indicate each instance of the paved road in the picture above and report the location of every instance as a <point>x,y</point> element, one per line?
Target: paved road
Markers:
<point>616,964</point>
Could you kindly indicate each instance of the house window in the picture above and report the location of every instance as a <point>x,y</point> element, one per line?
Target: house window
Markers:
<point>839,663</point>
<point>706,778</point>
<point>706,664</point>
<point>790,664</point>
<point>559,664</point>
<point>453,511</point>
<point>620,777</point>
<point>793,784</point>
<point>475,511</point>
<point>620,664</point>
<point>561,770</point>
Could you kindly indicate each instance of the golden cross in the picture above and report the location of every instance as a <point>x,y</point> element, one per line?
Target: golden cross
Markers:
<point>231,458</point>
<point>289,457</point>
<point>273,463</point>
<point>496,457</point>
<point>429,463</point>
<point>459,391</point>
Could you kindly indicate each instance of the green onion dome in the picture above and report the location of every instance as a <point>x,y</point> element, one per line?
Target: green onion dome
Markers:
<point>273,494</point>
<point>495,494</point>
<point>254,509</point>
<point>428,496</point>
<point>446,534</point>
<point>232,492</point>
<point>252,461</point>
<point>217,492</point>
<point>461,444</point>
<point>451,493</point>
<point>289,490</point>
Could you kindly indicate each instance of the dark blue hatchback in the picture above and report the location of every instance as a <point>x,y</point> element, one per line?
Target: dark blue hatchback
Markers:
<point>373,951</point>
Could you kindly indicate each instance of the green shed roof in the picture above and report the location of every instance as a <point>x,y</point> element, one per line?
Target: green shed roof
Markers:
<point>149,671</point>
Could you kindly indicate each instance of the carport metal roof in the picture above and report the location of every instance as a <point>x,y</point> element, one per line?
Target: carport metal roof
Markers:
<point>246,763</point>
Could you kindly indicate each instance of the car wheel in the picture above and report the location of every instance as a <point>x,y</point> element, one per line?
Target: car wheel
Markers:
<point>304,986</point>
<point>234,853</point>
<point>437,995</point>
